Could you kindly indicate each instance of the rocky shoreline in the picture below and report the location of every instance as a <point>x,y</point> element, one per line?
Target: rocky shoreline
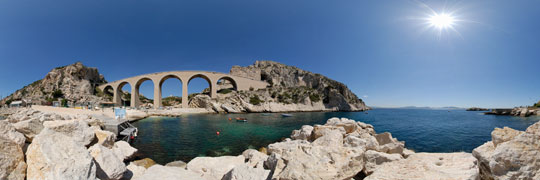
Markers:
<point>37,145</point>
<point>517,111</point>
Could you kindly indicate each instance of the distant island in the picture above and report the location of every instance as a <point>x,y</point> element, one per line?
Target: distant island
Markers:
<point>477,109</point>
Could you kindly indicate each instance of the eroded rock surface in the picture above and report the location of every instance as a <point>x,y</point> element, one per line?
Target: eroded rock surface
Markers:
<point>457,166</point>
<point>214,167</point>
<point>516,155</point>
<point>54,155</point>
<point>12,165</point>
<point>109,165</point>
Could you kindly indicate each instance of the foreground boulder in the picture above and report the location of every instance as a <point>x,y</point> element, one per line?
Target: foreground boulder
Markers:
<point>123,150</point>
<point>244,171</point>
<point>78,130</point>
<point>105,138</point>
<point>511,155</point>
<point>109,165</point>
<point>214,167</point>
<point>12,165</point>
<point>159,172</point>
<point>30,128</point>
<point>8,131</point>
<point>375,159</point>
<point>53,155</point>
<point>327,156</point>
<point>429,166</point>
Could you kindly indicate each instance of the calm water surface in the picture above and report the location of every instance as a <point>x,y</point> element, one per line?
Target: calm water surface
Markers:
<point>166,139</point>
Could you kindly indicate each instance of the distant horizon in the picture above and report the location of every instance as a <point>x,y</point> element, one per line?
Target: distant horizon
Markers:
<point>390,54</point>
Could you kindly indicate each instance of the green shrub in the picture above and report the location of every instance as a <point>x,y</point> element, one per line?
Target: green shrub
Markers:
<point>9,101</point>
<point>64,103</point>
<point>314,97</point>
<point>255,100</point>
<point>225,91</point>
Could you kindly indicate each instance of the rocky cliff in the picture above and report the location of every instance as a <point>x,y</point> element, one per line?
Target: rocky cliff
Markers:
<point>76,83</point>
<point>291,89</point>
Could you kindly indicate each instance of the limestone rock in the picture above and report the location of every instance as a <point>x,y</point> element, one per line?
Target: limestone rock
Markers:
<point>333,137</point>
<point>76,82</point>
<point>303,133</point>
<point>300,159</point>
<point>388,144</point>
<point>364,142</point>
<point>78,130</point>
<point>347,124</point>
<point>8,131</point>
<point>517,158</point>
<point>146,163</point>
<point>105,138</point>
<point>12,165</point>
<point>321,130</point>
<point>374,159</point>
<point>254,158</point>
<point>159,172</point>
<point>428,166</point>
<point>244,171</point>
<point>123,150</point>
<point>214,167</point>
<point>484,155</point>
<point>53,155</point>
<point>109,165</point>
<point>29,128</point>
<point>180,164</point>
<point>133,171</point>
<point>502,135</point>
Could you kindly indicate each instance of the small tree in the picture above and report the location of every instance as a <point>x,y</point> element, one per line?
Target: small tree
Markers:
<point>64,103</point>
<point>57,94</point>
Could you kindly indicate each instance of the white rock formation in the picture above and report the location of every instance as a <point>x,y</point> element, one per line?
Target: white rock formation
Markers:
<point>303,133</point>
<point>105,138</point>
<point>515,155</point>
<point>458,166</point>
<point>30,128</point>
<point>53,155</point>
<point>254,158</point>
<point>78,130</point>
<point>133,171</point>
<point>12,165</point>
<point>123,150</point>
<point>110,166</point>
<point>244,171</point>
<point>374,159</point>
<point>214,167</point>
<point>8,131</point>
<point>159,172</point>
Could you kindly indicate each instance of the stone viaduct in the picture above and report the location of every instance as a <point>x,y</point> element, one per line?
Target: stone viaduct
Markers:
<point>239,83</point>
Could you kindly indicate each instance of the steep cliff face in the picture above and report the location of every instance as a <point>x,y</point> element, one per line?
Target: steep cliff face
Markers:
<point>75,83</point>
<point>291,89</point>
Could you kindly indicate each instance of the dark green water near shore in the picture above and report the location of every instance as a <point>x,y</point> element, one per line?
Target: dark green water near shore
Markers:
<point>166,139</point>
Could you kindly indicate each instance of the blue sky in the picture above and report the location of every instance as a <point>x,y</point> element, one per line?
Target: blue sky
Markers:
<point>381,49</point>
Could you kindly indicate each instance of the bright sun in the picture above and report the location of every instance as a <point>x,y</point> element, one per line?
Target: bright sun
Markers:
<point>441,21</point>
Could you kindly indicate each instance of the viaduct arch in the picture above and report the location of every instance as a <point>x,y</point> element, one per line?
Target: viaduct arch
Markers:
<point>239,83</point>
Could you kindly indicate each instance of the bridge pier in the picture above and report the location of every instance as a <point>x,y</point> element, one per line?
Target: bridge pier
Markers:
<point>185,94</point>
<point>134,96</point>
<point>157,95</point>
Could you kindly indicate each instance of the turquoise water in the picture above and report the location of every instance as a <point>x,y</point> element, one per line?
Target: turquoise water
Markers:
<point>166,139</point>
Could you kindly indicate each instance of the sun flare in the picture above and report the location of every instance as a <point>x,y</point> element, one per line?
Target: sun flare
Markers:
<point>441,21</point>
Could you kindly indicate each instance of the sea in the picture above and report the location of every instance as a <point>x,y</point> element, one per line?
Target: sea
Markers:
<point>166,139</point>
